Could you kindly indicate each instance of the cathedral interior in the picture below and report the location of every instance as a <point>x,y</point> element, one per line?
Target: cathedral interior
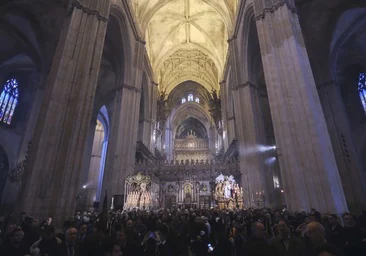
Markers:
<point>182,104</point>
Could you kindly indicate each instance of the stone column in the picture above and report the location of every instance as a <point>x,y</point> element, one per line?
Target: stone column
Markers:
<point>123,136</point>
<point>146,128</point>
<point>152,115</point>
<point>308,167</point>
<point>169,142</point>
<point>223,98</point>
<point>122,143</point>
<point>53,174</point>
<point>88,153</point>
<point>95,160</point>
<point>212,134</point>
<point>33,116</point>
<point>250,132</point>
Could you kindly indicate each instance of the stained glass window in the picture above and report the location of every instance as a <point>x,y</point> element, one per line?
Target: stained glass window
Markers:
<point>197,100</point>
<point>183,100</point>
<point>362,89</point>
<point>8,100</point>
<point>190,97</point>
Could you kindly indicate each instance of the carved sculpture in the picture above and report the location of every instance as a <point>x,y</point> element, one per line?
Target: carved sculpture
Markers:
<point>215,110</point>
<point>228,194</point>
<point>138,192</point>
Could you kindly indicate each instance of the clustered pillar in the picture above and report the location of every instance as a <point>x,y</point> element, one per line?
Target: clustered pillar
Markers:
<point>120,160</point>
<point>56,155</point>
<point>250,135</point>
<point>308,166</point>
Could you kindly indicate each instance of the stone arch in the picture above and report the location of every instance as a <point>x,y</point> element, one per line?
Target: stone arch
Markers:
<point>190,109</point>
<point>181,129</point>
<point>20,20</point>
<point>348,25</point>
<point>124,38</point>
<point>244,38</point>
<point>185,87</point>
<point>92,187</point>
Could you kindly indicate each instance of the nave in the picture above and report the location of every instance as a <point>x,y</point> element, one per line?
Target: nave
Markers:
<point>171,105</point>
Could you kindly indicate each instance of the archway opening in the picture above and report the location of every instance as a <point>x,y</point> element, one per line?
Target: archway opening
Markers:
<point>93,186</point>
<point>348,54</point>
<point>191,141</point>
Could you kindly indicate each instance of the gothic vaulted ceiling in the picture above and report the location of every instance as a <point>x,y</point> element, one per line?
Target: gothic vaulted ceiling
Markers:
<point>186,39</point>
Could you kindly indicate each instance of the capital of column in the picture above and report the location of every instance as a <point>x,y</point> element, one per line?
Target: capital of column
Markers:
<point>248,83</point>
<point>272,6</point>
<point>129,87</point>
<point>78,5</point>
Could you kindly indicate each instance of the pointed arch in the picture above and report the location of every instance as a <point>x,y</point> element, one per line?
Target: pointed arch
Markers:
<point>245,39</point>
<point>124,36</point>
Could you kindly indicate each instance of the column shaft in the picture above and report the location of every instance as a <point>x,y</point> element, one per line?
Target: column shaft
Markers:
<point>55,159</point>
<point>122,144</point>
<point>250,132</point>
<point>308,166</point>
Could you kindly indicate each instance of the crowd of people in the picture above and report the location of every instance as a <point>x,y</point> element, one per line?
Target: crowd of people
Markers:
<point>189,232</point>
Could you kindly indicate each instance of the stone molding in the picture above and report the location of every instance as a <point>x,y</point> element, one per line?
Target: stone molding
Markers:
<point>76,4</point>
<point>148,121</point>
<point>275,6</point>
<point>132,20</point>
<point>248,83</point>
<point>129,87</point>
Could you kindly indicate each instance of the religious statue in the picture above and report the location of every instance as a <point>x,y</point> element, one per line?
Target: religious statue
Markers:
<point>138,192</point>
<point>187,189</point>
<point>162,111</point>
<point>227,189</point>
<point>215,109</point>
<point>228,194</point>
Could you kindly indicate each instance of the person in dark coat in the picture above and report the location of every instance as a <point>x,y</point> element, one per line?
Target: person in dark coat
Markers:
<point>49,244</point>
<point>240,239</point>
<point>165,247</point>
<point>111,248</point>
<point>335,231</point>
<point>257,245</point>
<point>15,245</point>
<point>70,246</point>
<point>286,244</point>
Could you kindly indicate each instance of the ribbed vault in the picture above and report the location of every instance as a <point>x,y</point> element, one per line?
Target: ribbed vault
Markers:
<point>186,39</point>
